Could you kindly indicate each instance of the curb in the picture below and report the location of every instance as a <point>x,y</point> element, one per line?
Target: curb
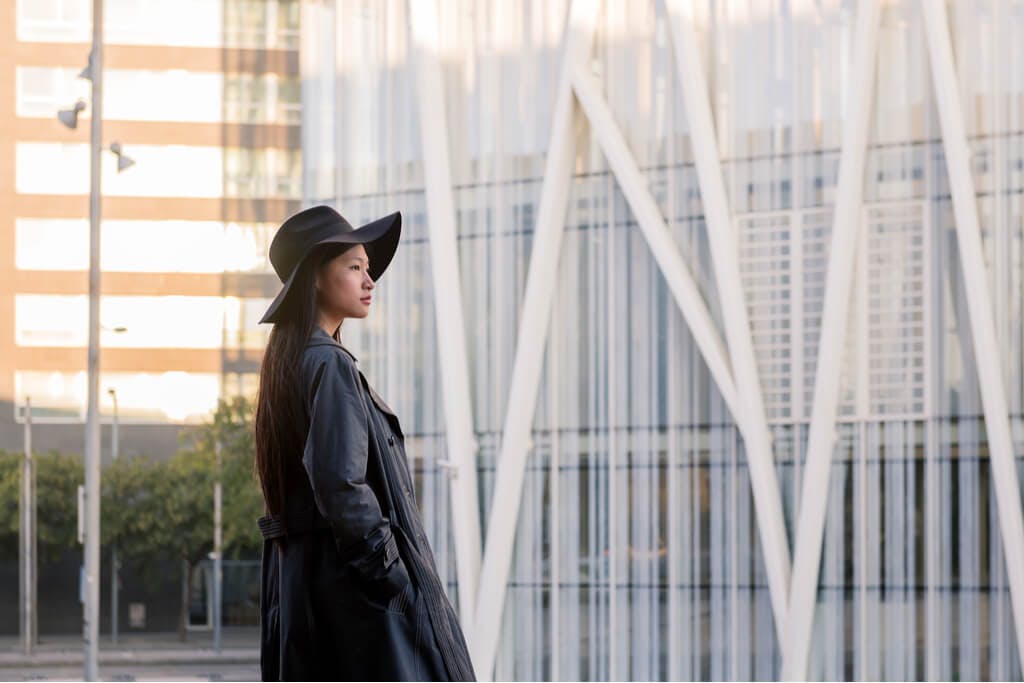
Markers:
<point>122,657</point>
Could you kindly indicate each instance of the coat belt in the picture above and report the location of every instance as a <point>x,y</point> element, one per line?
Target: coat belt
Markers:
<point>292,523</point>
<point>298,522</point>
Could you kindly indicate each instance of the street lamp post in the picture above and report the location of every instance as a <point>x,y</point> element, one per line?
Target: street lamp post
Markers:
<point>29,618</point>
<point>114,562</point>
<point>91,526</point>
<point>90,609</point>
<point>217,566</point>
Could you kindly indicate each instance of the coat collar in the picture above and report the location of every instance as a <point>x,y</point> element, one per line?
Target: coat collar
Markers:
<point>321,338</point>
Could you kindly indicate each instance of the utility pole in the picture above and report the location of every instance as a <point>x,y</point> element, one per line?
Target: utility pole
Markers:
<point>90,608</point>
<point>217,537</point>
<point>29,618</point>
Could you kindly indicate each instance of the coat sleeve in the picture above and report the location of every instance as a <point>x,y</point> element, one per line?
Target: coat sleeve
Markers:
<point>335,458</point>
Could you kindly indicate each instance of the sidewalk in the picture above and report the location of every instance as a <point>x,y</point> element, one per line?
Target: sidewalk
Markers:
<point>239,645</point>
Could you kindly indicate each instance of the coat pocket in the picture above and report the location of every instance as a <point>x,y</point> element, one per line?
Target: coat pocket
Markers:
<point>390,589</point>
<point>400,603</point>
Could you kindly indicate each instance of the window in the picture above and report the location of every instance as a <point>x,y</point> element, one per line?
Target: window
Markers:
<point>161,170</point>
<point>259,23</point>
<point>263,173</point>
<point>128,94</point>
<point>187,322</point>
<point>241,323</point>
<point>158,397</point>
<point>262,98</point>
<point>195,23</point>
<point>54,20</point>
<point>43,91</point>
<point>144,246</point>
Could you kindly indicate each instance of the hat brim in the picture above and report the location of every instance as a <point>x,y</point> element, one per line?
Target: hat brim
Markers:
<point>380,235</point>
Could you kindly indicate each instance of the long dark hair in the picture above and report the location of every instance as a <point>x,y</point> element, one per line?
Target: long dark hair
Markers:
<point>282,417</point>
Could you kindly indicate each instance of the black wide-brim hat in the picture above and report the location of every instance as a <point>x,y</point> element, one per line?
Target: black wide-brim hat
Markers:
<point>300,235</point>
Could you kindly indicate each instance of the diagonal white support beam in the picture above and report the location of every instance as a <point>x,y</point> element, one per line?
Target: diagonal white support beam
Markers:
<point>663,247</point>
<point>838,286</point>
<point>724,244</point>
<point>451,337</point>
<point>979,305</point>
<point>533,330</point>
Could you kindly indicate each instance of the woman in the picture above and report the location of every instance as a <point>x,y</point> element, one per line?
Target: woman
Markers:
<point>348,587</point>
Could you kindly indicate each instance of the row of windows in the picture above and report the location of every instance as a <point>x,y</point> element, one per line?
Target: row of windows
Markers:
<point>161,171</point>
<point>192,23</point>
<point>183,322</point>
<point>144,245</point>
<point>141,396</point>
<point>167,95</point>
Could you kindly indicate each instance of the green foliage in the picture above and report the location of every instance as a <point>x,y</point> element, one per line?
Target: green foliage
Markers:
<point>58,477</point>
<point>10,479</point>
<point>152,509</point>
<point>132,512</point>
<point>242,502</point>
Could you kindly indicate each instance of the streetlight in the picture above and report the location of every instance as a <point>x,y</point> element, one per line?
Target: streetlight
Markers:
<point>91,592</point>
<point>123,161</point>
<point>69,117</point>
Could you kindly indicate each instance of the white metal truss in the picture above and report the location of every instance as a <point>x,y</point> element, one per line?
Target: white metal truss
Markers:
<point>725,256</point>
<point>536,313</point>
<point>838,287</point>
<point>793,597</point>
<point>533,326</point>
<point>451,337</point>
<point>979,305</point>
<point>685,291</point>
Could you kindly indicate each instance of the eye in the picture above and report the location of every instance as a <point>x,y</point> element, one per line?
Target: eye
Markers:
<point>354,267</point>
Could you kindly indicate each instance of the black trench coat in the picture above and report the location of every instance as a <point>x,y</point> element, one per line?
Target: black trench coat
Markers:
<point>348,588</point>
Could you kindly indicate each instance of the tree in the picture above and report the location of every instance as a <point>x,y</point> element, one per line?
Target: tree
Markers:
<point>57,479</point>
<point>232,426</point>
<point>184,494</point>
<point>58,476</point>
<point>132,512</point>
<point>10,480</point>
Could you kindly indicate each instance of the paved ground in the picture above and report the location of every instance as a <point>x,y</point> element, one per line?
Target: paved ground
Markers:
<point>137,657</point>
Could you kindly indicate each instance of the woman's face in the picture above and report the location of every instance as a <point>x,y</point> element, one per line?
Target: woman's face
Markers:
<point>343,285</point>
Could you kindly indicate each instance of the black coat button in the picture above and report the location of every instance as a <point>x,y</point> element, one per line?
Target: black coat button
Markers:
<point>391,440</point>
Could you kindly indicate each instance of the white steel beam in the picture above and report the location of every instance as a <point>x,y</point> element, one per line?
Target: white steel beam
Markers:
<point>838,286</point>
<point>532,336</point>
<point>979,305</point>
<point>724,244</point>
<point>663,247</point>
<point>451,337</point>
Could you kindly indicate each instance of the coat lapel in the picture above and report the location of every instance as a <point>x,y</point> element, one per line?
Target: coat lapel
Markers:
<point>321,338</point>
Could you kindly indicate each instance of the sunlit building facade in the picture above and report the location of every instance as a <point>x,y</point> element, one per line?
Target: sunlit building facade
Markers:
<point>204,96</point>
<point>638,550</point>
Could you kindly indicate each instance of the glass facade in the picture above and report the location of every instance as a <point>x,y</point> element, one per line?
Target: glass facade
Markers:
<point>637,552</point>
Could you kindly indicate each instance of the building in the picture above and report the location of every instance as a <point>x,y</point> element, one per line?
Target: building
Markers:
<point>204,96</point>
<point>649,533</point>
